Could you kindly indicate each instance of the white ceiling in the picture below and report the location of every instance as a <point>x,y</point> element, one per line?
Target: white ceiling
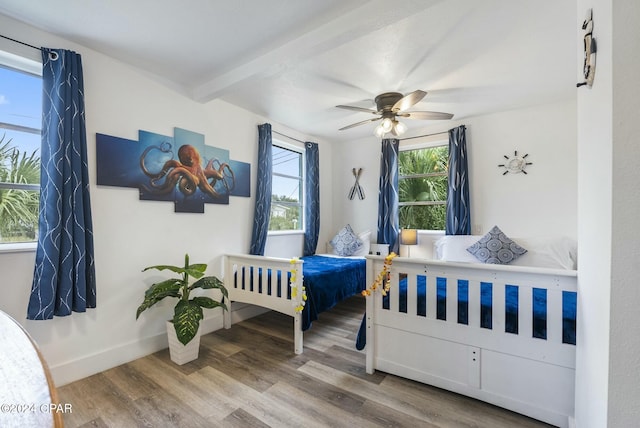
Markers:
<point>293,61</point>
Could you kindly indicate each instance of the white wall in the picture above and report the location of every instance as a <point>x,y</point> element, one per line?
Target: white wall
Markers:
<point>131,234</point>
<point>624,357</point>
<point>594,225</point>
<point>607,362</point>
<point>540,203</point>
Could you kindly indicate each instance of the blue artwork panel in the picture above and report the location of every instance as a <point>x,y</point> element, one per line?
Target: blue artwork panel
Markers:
<point>181,169</point>
<point>242,178</point>
<point>157,151</point>
<point>219,175</point>
<point>119,165</point>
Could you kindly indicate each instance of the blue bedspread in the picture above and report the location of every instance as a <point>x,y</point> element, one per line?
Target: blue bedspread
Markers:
<point>539,301</point>
<point>329,280</point>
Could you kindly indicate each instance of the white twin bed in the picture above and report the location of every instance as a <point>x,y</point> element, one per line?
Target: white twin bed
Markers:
<point>504,334</point>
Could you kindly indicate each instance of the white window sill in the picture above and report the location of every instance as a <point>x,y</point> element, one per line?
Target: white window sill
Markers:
<point>18,247</point>
<point>284,232</point>
<point>431,232</point>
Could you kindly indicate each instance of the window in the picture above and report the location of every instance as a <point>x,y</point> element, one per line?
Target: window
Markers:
<point>286,189</point>
<point>422,183</point>
<point>20,122</point>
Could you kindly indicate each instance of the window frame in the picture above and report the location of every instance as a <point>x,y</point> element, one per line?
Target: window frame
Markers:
<point>427,142</point>
<point>32,67</point>
<point>297,148</point>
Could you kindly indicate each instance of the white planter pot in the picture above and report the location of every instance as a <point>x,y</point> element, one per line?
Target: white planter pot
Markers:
<point>181,354</point>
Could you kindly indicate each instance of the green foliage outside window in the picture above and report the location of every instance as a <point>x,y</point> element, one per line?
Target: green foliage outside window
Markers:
<point>285,213</point>
<point>18,207</point>
<point>423,186</point>
<point>286,188</point>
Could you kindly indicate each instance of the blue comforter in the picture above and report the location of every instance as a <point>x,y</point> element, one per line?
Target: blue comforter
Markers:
<point>539,301</point>
<point>329,280</point>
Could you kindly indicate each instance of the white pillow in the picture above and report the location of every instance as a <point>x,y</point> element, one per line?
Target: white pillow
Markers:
<point>557,253</point>
<point>453,248</point>
<point>346,242</point>
<point>365,237</point>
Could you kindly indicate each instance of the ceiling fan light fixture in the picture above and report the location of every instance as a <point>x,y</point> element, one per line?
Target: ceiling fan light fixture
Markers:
<point>386,124</point>
<point>400,128</point>
<point>396,128</point>
<point>392,105</point>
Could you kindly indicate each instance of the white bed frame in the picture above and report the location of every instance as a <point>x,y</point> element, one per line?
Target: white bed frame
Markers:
<point>271,266</point>
<point>531,376</point>
<point>261,268</point>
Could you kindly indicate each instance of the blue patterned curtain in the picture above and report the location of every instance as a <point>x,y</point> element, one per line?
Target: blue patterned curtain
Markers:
<point>263,191</point>
<point>458,209</point>
<point>64,274</point>
<point>312,199</point>
<point>388,219</point>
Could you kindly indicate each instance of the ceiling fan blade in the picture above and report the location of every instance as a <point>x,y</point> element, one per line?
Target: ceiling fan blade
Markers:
<point>409,100</point>
<point>426,115</point>
<point>353,125</point>
<point>362,109</point>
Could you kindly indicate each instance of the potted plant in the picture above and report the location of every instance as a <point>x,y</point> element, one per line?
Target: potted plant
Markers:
<point>184,326</point>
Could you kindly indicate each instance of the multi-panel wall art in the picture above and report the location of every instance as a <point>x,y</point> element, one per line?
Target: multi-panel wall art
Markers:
<point>180,169</point>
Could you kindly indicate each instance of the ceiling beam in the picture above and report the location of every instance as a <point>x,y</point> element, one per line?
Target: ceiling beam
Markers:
<point>370,17</point>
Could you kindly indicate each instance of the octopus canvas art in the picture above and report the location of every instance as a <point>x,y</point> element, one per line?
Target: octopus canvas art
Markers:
<point>188,174</point>
<point>181,169</point>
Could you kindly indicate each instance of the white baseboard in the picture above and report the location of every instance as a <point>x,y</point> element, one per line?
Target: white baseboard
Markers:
<point>85,366</point>
<point>89,365</point>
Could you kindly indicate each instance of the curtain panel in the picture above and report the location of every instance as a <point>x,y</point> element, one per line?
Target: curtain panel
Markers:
<point>458,221</point>
<point>388,214</point>
<point>64,273</point>
<point>312,198</point>
<point>263,191</point>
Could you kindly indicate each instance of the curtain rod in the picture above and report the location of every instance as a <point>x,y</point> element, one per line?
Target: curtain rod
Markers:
<point>426,135</point>
<point>22,43</point>
<point>285,135</point>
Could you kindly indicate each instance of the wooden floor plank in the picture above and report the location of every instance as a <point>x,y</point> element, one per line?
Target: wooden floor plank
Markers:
<point>259,405</point>
<point>242,419</point>
<point>191,393</point>
<point>370,391</point>
<point>314,407</point>
<point>249,376</point>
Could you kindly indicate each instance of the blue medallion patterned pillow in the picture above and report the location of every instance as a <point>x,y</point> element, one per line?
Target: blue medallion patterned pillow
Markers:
<point>346,242</point>
<point>496,247</point>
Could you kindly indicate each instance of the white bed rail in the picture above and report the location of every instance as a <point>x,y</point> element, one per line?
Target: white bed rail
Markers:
<point>265,282</point>
<point>530,375</point>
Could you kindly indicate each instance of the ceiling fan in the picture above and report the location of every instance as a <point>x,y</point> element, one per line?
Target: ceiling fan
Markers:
<point>390,106</point>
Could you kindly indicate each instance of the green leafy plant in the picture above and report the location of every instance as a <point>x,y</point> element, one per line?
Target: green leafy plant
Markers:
<point>18,208</point>
<point>188,312</point>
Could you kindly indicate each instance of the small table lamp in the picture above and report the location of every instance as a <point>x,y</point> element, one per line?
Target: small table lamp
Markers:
<point>408,237</point>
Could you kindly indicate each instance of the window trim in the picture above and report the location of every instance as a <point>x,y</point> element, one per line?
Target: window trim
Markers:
<point>34,68</point>
<point>298,148</point>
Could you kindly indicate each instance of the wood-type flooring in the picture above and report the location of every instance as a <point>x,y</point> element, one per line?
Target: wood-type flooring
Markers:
<point>248,376</point>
